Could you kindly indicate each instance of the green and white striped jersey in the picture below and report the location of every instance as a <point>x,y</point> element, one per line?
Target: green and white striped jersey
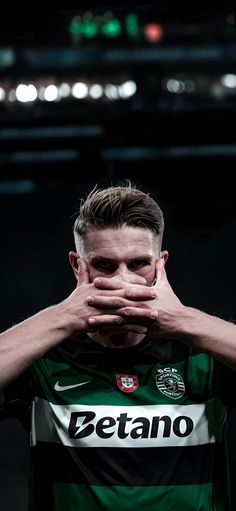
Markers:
<point>133,428</point>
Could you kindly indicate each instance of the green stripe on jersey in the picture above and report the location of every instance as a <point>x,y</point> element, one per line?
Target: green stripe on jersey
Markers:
<point>71,497</point>
<point>62,383</point>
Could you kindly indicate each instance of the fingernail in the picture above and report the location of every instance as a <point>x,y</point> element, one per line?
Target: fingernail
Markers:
<point>90,299</point>
<point>154,314</point>
<point>91,321</point>
<point>154,293</point>
<point>97,281</point>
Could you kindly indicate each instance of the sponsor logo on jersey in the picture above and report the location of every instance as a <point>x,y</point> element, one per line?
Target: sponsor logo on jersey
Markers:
<point>127,382</point>
<point>80,425</point>
<point>170,383</point>
<point>85,423</point>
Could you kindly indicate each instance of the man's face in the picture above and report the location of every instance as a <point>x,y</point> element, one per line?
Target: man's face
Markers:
<point>119,251</point>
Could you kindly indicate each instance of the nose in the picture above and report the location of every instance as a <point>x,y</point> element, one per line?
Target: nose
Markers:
<point>122,270</point>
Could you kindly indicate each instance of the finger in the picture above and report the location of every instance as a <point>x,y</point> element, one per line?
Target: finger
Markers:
<point>116,302</point>
<point>108,302</point>
<point>116,322</point>
<point>106,320</point>
<point>83,274</point>
<point>140,293</point>
<point>118,282</point>
<point>137,314</point>
<point>140,329</point>
<point>133,279</point>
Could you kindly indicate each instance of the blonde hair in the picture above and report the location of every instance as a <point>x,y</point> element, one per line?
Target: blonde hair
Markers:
<point>118,206</point>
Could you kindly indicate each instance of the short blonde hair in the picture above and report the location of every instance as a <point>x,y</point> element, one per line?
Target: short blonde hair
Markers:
<point>118,206</point>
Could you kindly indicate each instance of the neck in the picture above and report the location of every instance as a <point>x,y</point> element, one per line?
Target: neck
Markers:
<point>117,339</point>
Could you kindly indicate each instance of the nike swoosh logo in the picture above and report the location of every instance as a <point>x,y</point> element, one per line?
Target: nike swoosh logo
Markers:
<point>60,388</point>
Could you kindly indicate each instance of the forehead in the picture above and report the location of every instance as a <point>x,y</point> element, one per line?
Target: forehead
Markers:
<point>120,242</point>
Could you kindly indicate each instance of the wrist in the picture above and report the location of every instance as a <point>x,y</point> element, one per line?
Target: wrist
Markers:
<point>182,323</point>
<point>188,323</point>
<point>67,321</point>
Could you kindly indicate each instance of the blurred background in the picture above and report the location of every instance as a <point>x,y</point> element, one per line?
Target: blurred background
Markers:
<point>96,95</point>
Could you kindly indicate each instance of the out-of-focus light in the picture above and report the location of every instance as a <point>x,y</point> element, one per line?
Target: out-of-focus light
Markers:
<point>79,90</point>
<point>167,153</point>
<point>90,29</point>
<point>64,90</point>
<point>2,94</point>
<point>13,187</point>
<point>84,28</point>
<point>51,93</point>
<point>90,26</point>
<point>176,86</point>
<point>12,96</point>
<point>22,93</point>
<point>127,89</point>
<point>26,93</point>
<point>228,80</point>
<point>111,28</point>
<point>217,90</point>
<point>131,22</point>
<point>96,91</point>
<point>7,57</point>
<point>41,93</point>
<point>153,32</point>
<point>111,91</point>
<point>189,85</point>
<point>32,92</point>
<point>76,25</point>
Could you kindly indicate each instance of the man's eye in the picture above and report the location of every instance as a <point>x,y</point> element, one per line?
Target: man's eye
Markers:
<point>103,265</point>
<point>138,264</point>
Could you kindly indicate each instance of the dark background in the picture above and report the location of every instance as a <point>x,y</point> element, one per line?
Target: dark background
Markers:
<point>176,143</point>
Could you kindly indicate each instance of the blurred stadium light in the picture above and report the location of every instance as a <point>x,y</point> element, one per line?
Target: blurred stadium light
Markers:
<point>144,82</point>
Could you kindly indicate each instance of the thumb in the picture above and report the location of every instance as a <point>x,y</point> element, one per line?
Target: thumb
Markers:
<point>83,274</point>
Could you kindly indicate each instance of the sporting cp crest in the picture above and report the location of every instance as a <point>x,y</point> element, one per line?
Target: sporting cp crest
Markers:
<point>127,382</point>
<point>170,383</point>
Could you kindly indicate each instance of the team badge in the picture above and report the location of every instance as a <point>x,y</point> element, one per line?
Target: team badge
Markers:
<point>127,382</point>
<point>170,383</point>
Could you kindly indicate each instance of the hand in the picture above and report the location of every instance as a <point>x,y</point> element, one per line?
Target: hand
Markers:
<point>78,306</point>
<point>122,299</point>
<point>150,306</point>
<point>167,305</point>
<point>117,292</point>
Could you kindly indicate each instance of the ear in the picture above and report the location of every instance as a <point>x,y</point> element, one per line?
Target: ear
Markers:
<point>160,267</point>
<point>164,256</point>
<point>74,261</point>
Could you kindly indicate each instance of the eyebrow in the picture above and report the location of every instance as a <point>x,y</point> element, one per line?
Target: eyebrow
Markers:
<point>145,257</point>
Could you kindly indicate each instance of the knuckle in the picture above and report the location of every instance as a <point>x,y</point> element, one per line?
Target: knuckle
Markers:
<point>118,321</point>
<point>141,281</point>
<point>117,302</point>
<point>127,311</point>
<point>129,293</point>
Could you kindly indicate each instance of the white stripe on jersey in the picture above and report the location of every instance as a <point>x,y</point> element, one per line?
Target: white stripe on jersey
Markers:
<point>128,426</point>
